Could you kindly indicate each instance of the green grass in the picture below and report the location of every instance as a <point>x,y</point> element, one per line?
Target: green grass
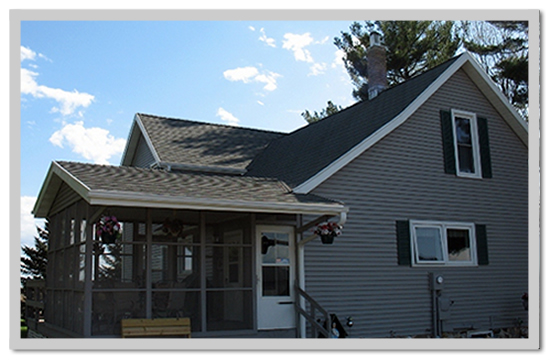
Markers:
<point>24,329</point>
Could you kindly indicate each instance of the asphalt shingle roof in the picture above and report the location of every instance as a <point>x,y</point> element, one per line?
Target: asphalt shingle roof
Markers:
<point>202,144</point>
<point>300,155</point>
<point>186,184</point>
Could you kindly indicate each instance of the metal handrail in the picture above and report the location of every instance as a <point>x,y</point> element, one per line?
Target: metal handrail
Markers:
<point>310,317</point>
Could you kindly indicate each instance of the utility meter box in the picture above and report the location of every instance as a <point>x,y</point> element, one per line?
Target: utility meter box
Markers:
<point>437,281</point>
<point>444,306</point>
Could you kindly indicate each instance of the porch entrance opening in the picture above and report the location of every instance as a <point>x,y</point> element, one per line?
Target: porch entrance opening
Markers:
<point>276,273</point>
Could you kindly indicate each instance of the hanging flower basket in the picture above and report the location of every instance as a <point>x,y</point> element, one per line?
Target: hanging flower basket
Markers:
<point>172,226</point>
<point>327,239</point>
<point>328,231</point>
<point>108,229</point>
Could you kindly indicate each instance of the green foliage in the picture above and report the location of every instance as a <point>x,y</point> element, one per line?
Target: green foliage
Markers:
<point>35,259</point>
<point>502,48</point>
<point>413,47</point>
<point>316,116</point>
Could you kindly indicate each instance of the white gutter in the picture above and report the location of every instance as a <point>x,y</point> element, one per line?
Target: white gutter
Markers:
<point>121,198</point>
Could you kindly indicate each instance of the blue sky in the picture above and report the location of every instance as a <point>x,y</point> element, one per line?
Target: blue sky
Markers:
<point>83,81</point>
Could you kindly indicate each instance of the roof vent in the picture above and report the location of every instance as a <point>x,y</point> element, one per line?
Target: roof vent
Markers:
<point>376,62</point>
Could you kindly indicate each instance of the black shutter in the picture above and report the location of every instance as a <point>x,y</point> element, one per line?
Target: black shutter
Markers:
<point>403,242</point>
<point>448,142</point>
<point>484,150</point>
<point>482,248</point>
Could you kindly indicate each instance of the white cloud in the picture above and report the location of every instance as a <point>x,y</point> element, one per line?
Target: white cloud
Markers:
<point>27,54</point>
<point>252,28</point>
<point>227,116</point>
<point>297,43</point>
<point>264,38</point>
<point>318,69</point>
<point>244,74</point>
<point>323,41</point>
<point>259,102</point>
<point>69,101</point>
<point>338,63</point>
<point>28,222</point>
<point>269,79</point>
<point>251,74</point>
<point>93,144</point>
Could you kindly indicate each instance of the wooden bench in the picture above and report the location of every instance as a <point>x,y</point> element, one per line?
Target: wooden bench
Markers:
<point>180,327</point>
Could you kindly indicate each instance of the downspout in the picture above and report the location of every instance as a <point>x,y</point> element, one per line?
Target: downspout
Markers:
<point>301,242</point>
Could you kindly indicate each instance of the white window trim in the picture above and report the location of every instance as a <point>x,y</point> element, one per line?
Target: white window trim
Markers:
<point>443,227</point>
<point>475,143</point>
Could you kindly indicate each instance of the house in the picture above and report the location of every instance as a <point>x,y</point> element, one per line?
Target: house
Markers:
<point>429,179</point>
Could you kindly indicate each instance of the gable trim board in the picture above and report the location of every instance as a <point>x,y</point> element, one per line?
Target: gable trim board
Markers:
<point>134,139</point>
<point>480,78</point>
<point>55,177</point>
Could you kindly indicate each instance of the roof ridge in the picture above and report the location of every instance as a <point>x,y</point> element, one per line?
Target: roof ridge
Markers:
<point>360,102</point>
<point>213,124</point>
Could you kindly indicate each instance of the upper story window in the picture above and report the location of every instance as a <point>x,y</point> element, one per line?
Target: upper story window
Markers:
<point>465,144</point>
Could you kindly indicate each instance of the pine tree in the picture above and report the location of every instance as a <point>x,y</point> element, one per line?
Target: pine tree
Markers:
<point>413,47</point>
<point>35,259</point>
<point>502,48</point>
<point>316,116</point>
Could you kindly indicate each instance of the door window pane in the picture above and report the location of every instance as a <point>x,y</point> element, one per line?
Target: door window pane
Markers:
<point>275,248</point>
<point>275,281</point>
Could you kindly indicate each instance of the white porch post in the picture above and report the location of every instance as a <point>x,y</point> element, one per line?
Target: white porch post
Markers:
<point>301,281</point>
<point>148,262</point>
<point>88,284</point>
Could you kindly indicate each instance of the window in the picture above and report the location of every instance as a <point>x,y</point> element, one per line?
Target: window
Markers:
<point>465,144</point>
<point>440,243</point>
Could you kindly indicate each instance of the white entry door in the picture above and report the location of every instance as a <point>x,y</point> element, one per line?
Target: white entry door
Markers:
<point>275,269</point>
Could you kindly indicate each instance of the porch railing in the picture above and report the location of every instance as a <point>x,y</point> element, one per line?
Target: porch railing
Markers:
<point>34,302</point>
<point>319,325</point>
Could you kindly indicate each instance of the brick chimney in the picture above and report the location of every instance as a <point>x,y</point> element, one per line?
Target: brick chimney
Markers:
<point>376,62</point>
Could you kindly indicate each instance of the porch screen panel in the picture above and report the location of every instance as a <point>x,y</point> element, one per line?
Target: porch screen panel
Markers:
<point>229,310</point>
<point>176,302</point>
<point>228,270</point>
<point>109,307</point>
<point>122,263</point>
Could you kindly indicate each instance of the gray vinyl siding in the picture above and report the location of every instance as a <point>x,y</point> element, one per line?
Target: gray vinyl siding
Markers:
<point>143,156</point>
<point>402,177</point>
<point>64,198</point>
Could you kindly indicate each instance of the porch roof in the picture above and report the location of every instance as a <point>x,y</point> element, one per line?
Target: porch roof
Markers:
<point>138,187</point>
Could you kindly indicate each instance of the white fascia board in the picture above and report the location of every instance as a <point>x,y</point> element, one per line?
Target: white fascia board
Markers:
<point>44,193</point>
<point>47,193</point>
<point>368,142</point>
<point>148,141</point>
<point>78,186</point>
<point>120,198</point>
<point>131,143</point>
<point>497,99</point>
